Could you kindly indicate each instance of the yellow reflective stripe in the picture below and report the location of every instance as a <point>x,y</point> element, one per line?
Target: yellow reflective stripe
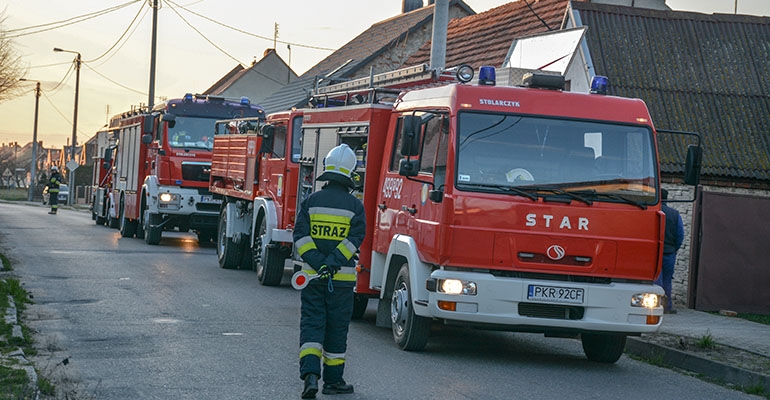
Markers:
<point>333,359</point>
<point>347,248</point>
<point>304,244</point>
<point>333,168</point>
<point>331,211</point>
<point>310,349</point>
<point>344,277</point>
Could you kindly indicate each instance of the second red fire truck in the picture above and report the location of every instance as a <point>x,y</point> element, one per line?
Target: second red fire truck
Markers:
<point>160,164</point>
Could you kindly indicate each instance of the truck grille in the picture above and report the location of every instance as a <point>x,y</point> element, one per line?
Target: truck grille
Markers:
<point>196,171</point>
<point>212,207</point>
<point>551,311</point>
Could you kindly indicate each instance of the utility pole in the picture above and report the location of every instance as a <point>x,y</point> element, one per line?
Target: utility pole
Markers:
<point>71,173</point>
<point>151,100</point>
<point>33,167</point>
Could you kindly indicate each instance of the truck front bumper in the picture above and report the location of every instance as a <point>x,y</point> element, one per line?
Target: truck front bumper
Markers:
<point>512,303</point>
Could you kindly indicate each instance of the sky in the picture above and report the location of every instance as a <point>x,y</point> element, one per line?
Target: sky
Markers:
<point>193,52</point>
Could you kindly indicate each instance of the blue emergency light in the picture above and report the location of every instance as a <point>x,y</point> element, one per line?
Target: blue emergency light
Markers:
<point>600,84</point>
<point>188,97</point>
<point>245,101</point>
<point>487,75</point>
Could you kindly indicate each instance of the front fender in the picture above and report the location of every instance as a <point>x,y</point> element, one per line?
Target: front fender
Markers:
<point>266,207</point>
<point>419,272</point>
<point>151,187</point>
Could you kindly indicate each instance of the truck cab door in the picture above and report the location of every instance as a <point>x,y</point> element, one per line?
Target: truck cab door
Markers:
<point>406,206</point>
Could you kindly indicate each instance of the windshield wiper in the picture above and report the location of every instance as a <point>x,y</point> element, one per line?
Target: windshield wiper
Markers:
<point>626,200</point>
<point>573,195</point>
<point>505,188</point>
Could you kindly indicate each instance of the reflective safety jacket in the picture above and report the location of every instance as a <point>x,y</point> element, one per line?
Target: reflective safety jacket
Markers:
<point>330,228</point>
<point>54,182</point>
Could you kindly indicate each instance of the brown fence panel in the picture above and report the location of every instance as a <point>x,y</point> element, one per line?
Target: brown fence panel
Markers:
<point>730,260</point>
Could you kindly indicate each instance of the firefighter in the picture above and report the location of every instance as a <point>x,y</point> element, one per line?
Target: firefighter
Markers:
<point>53,189</point>
<point>329,230</point>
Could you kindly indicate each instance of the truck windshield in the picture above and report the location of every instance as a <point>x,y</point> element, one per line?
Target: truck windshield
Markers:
<point>192,132</point>
<point>548,156</point>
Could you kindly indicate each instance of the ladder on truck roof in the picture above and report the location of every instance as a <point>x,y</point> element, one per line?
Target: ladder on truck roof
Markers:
<point>390,83</point>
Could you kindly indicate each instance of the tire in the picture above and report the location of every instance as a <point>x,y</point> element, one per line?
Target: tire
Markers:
<point>152,232</point>
<point>410,331</point>
<point>269,265</point>
<point>603,348</point>
<point>112,222</point>
<point>360,302</point>
<point>127,228</point>
<point>100,220</point>
<point>228,252</point>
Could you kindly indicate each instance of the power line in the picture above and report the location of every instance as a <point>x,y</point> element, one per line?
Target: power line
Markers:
<point>249,33</point>
<point>121,36</point>
<point>59,111</point>
<point>114,82</point>
<point>146,10</point>
<point>67,22</point>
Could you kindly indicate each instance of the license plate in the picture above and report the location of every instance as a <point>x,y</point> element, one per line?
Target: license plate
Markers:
<point>210,199</point>
<point>555,294</point>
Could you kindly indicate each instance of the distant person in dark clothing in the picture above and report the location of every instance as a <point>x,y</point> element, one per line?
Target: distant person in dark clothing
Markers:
<point>53,189</point>
<point>671,244</point>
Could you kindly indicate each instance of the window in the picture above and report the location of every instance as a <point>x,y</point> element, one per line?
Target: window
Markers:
<point>279,142</point>
<point>296,138</point>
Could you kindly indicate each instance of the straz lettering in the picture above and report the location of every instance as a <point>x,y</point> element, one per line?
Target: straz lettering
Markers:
<point>581,223</point>
<point>328,231</point>
<point>392,188</point>
<point>503,103</point>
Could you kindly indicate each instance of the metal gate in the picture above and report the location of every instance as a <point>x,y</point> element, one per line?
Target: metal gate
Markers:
<point>730,255</point>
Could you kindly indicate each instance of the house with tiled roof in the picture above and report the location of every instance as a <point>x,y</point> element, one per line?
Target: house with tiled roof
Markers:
<point>385,46</point>
<point>256,82</point>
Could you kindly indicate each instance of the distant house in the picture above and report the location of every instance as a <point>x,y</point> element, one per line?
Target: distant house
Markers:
<point>256,82</point>
<point>385,46</point>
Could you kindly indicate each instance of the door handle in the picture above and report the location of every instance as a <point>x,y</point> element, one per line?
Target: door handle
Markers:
<point>382,206</point>
<point>410,210</point>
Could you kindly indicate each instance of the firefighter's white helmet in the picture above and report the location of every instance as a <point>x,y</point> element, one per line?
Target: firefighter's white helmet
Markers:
<point>339,164</point>
<point>54,169</point>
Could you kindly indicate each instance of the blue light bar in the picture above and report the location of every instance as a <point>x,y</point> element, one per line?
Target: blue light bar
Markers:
<point>487,76</point>
<point>600,84</point>
<point>178,182</point>
<point>188,97</point>
<point>245,101</point>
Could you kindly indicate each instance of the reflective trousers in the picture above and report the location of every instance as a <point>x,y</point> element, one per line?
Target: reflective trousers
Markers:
<point>324,329</point>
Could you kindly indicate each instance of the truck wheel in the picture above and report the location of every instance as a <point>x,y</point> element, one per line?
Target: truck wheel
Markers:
<point>269,265</point>
<point>360,302</point>
<point>410,331</point>
<point>112,222</point>
<point>228,252</point>
<point>127,228</point>
<point>603,348</point>
<point>152,232</point>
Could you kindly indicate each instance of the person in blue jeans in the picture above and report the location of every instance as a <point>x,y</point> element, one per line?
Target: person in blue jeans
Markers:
<point>672,241</point>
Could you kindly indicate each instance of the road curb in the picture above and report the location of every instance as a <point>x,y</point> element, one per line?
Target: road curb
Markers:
<point>699,365</point>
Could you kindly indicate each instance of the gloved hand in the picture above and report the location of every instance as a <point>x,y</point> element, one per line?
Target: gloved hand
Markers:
<point>325,272</point>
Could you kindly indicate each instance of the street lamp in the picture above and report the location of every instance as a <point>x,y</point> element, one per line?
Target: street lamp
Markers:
<point>32,169</point>
<point>74,121</point>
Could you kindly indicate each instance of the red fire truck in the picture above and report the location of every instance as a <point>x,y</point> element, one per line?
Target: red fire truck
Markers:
<point>521,208</point>
<point>101,179</point>
<point>254,173</point>
<point>162,164</point>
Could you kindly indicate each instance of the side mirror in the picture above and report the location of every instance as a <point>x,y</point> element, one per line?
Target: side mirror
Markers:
<point>107,155</point>
<point>148,124</point>
<point>408,167</point>
<point>106,165</point>
<point>147,138</point>
<point>692,165</point>
<point>268,134</point>
<point>410,135</point>
<point>170,119</point>
<point>436,196</point>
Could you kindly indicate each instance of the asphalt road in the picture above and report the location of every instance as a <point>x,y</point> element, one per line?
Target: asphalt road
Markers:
<point>165,322</point>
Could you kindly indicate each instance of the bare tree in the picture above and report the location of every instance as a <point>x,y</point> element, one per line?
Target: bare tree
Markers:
<point>11,68</point>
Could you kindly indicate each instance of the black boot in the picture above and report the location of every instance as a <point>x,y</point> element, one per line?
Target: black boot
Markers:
<point>311,386</point>
<point>337,388</point>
